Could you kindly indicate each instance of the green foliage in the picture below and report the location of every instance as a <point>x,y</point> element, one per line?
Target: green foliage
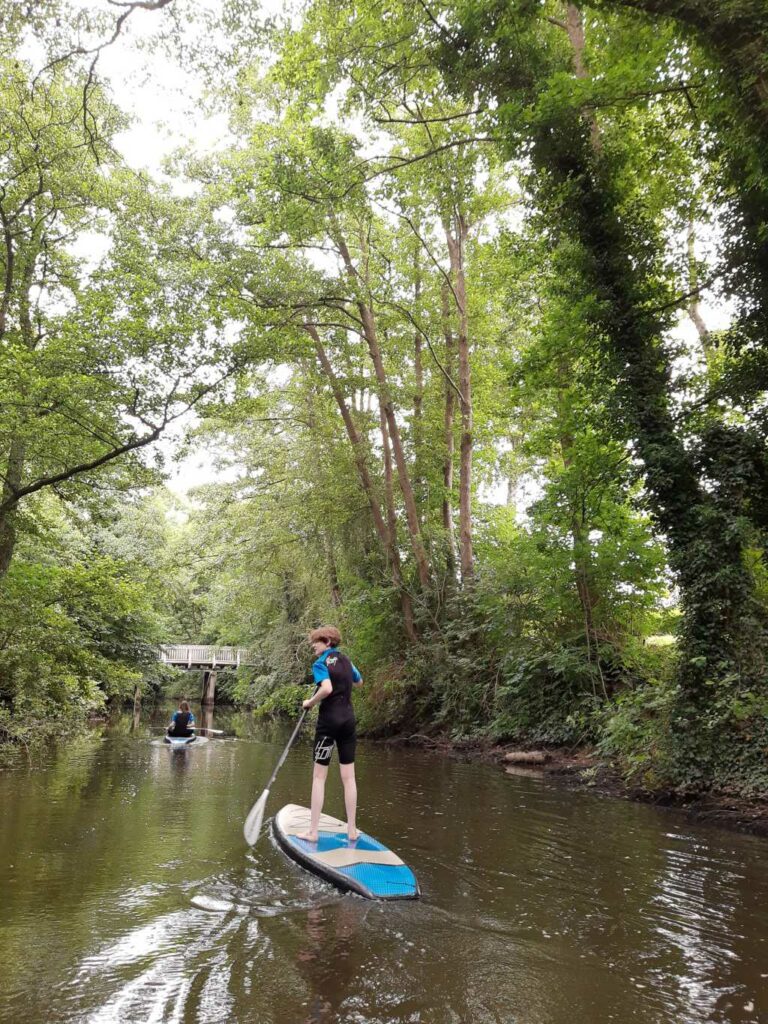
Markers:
<point>74,636</point>
<point>282,701</point>
<point>542,182</point>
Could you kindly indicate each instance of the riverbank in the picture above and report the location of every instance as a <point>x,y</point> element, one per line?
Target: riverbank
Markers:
<point>582,768</point>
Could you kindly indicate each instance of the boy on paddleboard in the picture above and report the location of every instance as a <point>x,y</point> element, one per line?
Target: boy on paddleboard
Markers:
<point>334,676</point>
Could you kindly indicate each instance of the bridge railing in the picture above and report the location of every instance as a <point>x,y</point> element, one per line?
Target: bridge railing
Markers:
<point>201,654</point>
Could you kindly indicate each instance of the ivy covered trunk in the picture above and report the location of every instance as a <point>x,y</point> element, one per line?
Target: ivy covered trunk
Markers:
<point>722,641</point>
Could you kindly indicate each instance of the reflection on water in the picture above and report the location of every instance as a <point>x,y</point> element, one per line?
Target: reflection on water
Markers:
<point>130,897</point>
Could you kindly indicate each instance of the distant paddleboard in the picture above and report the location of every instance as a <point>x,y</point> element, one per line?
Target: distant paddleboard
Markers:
<point>180,741</point>
<point>364,866</point>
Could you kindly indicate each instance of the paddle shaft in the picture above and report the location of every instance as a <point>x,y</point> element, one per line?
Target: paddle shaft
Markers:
<point>252,825</point>
<point>192,728</point>
<point>288,746</point>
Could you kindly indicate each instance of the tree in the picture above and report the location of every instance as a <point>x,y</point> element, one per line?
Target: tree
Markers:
<point>96,361</point>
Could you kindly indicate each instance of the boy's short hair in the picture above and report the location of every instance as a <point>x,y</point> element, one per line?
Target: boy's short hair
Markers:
<point>329,634</point>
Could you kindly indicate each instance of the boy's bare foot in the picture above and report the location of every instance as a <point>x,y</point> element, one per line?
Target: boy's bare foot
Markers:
<point>353,836</point>
<point>310,837</point>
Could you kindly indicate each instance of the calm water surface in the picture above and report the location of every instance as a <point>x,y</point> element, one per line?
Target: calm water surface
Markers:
<point>128,896</point>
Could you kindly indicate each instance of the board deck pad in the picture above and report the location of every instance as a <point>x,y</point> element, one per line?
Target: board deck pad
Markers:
<point>364,866</point>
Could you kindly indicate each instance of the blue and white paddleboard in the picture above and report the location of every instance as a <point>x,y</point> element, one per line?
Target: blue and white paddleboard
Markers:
<point>179,741</point>
<point>364,866</point>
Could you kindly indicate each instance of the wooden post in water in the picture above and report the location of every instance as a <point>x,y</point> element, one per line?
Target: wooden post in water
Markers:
<point>209,687</point>
<point>136,708</point>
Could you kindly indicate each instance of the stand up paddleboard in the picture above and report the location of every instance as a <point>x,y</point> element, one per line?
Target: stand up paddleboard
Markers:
<point>179,741</point>
<point>364,866</point>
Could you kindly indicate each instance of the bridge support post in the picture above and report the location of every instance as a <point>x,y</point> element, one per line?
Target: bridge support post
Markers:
<point>209,688</point>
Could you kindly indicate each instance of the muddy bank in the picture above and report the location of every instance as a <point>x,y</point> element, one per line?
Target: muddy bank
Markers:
<point>582,768</point>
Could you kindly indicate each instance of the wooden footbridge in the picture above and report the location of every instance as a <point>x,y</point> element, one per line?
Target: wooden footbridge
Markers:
<point>209,660</point>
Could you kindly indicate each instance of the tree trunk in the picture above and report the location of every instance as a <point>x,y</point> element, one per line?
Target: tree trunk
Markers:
<point>8,271</point>
<point>11,484</point>
<point>448,439</point>
<point>418,394</point>
<point>694,307</point>
<point>14,471</point>
<point>386,537</point>
<point>580,545</point>
<point>385,400</point>
<point>389,495</point>
<point>333,575</point>
<point>456,237</point>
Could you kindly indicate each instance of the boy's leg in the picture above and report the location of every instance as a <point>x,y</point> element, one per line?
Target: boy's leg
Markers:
<point>323,749</point>
<point>347,744</point>
<point>350,798</point>
<point>319,775</point>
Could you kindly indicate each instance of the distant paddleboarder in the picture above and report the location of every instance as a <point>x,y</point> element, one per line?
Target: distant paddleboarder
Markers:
<point>181,721</point>
<point>334,676</point>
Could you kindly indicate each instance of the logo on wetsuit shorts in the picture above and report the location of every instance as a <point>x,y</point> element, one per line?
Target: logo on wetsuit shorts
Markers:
<point>332,661</point>
<point>323,749</point>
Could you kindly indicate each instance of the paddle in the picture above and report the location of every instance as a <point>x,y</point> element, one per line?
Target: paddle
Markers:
<point>252,825</point>
<point>192,728</point>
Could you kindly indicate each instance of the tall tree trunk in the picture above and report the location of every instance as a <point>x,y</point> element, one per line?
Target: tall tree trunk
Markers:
<point>8,270</point>
<point>389,497</point>
<point>456,237</point>
<point>11,484</point>
<point>694,307</point>
<point>580,545</point>
<point>448,439</point>
<point>418,393</point>
<point>333,575</point>
<point>17,449</point>
<point>385,399</point>
<point>387,538</point>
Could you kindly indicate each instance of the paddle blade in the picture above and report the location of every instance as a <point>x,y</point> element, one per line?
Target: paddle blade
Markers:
<point>252,825</point>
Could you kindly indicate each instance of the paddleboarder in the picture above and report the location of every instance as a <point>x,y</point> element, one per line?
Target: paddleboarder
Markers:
<point>181,721</point>
<point>334,676</point>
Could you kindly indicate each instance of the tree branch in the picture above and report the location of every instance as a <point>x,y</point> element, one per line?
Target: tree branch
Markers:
<point>130,446</point>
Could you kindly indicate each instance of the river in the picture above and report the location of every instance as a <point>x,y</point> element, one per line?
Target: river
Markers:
<point>128,895</point>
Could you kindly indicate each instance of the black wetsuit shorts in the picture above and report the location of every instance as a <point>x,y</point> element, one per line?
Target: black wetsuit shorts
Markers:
<point>342,734</point>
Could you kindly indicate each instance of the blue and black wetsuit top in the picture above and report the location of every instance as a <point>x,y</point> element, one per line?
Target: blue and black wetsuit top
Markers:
<point>336,720</point>
<point>180,723</point>
<point>337,707</point>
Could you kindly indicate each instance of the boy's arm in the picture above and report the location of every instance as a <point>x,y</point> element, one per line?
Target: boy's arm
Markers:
<point>324,689</point>
<point>323,684</point>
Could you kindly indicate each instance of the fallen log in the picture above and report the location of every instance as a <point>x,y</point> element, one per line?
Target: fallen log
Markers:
<point>527,757</point>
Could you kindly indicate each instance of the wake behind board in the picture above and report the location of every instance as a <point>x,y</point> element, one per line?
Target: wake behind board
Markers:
<point>364,866</point>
